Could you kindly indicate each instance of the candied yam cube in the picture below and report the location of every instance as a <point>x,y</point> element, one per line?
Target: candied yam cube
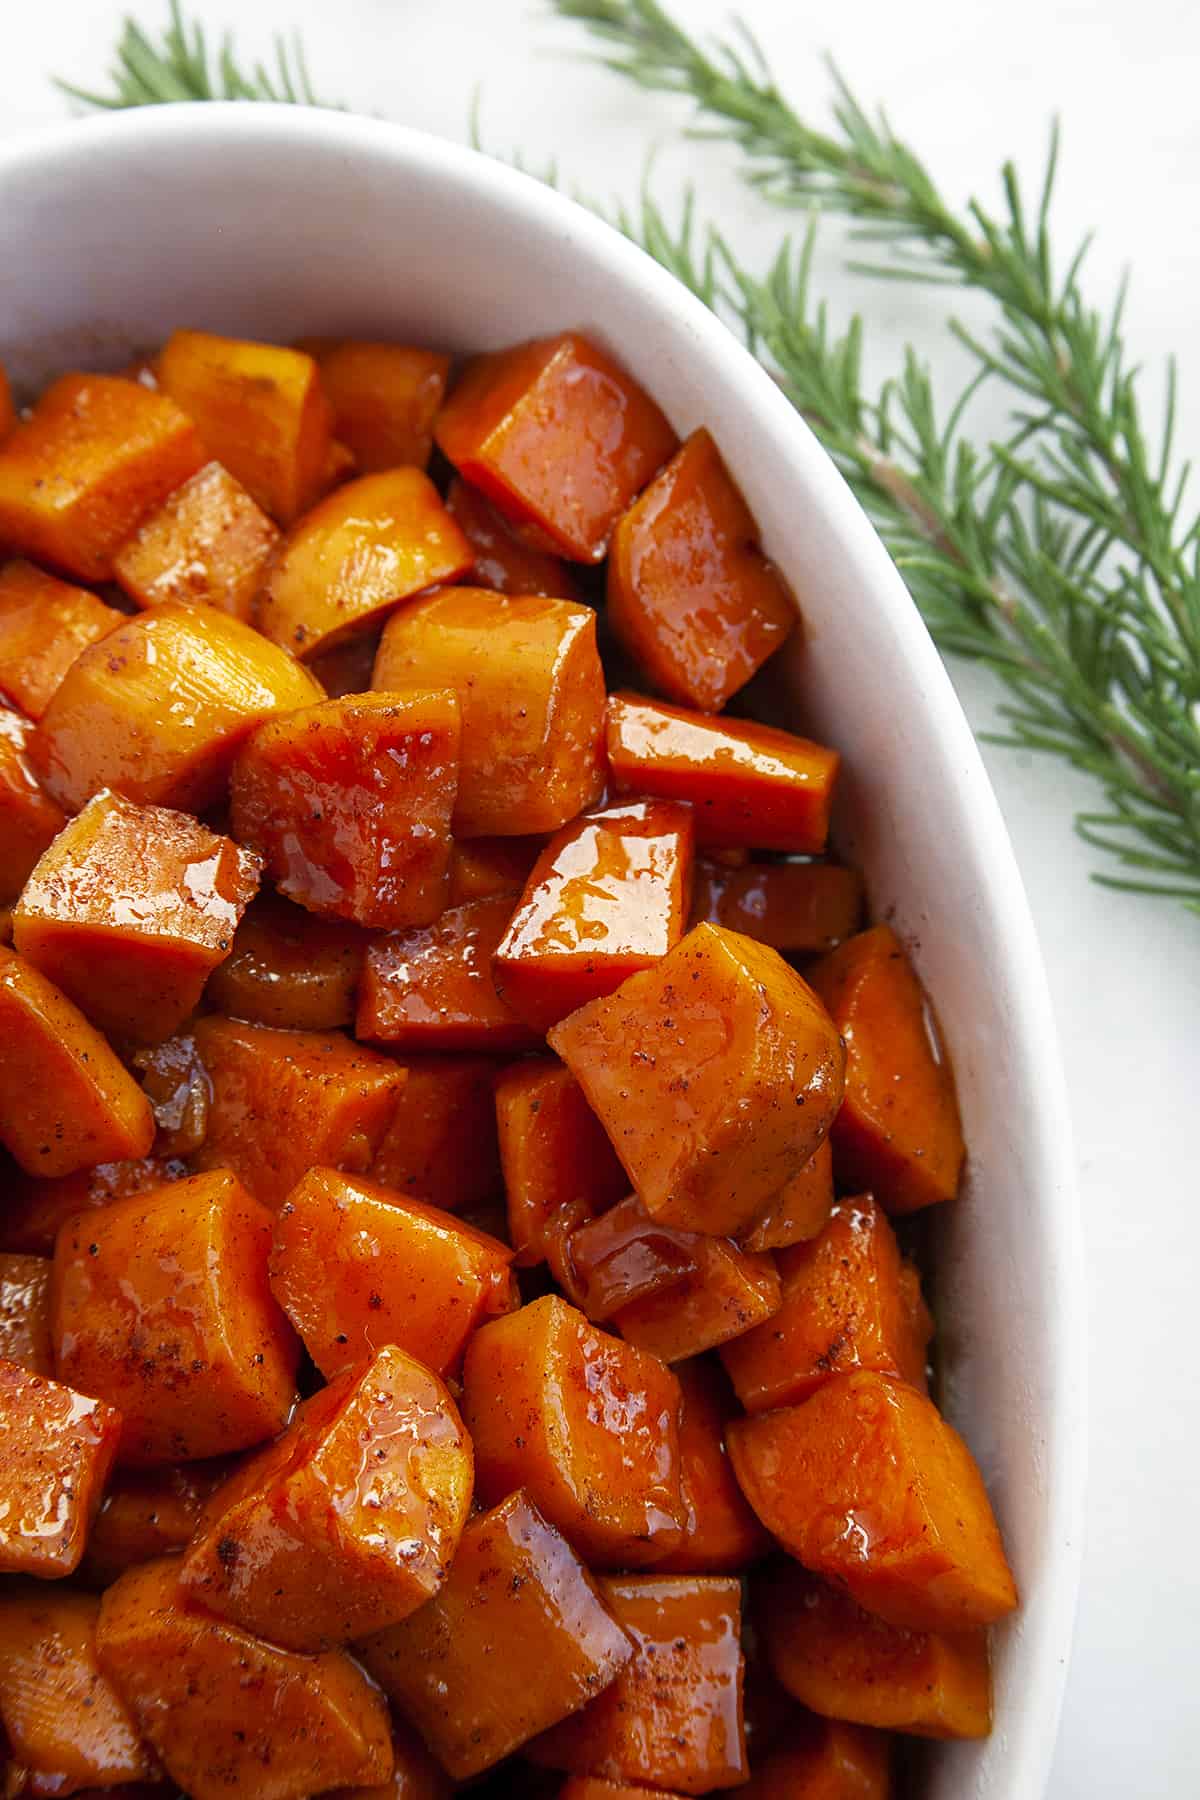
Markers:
<point>147,1513</point>
<point>285,1100</point>
<point>482,867</point>
<point>289,968</point>
<point>29,819</point>
<point>45,624</point>
<point>207,544</point>
<point>229,1714</point>
<point>347,1523</point>
<point>516,1640</point>
<point>608,896</point>
<point>797,907</point>
<point>384,398</point>
<point>553,1152</point>
<point>65,1099</point>
<point>586,1424</point>
<point>558,436</point>
<point>366,547</point>
<point>97,454</point>
<point>129,911</point>
<point>25,1313</point>
<point>715,1074</point>
<point>674,1712</point>
<point>350,802</point>
<point>898,1133</point>
<point>261,411</point>
<point>721,1532</point>
<point>56,1448</point>
<point>160,1304</point>
<point>34,1209</point>
<point>847,1664</point>
<point>531,688</point>
<point>625,1255</point>
<point>868,1486</point>
<point>747,783</point>
<point>799,1210</point>
<point>824,1759</point>
<point>729,1292</point>
<point>157,709</point>
<point>431,988</point>
<point>501,560</point>
<point>843,1308</point>
<point>441,1145</point>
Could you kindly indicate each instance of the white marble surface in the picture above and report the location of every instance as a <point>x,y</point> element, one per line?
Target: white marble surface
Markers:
<point>970,85</point>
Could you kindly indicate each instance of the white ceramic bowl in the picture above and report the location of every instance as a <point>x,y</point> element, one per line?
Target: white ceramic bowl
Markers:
<point>275,222</point>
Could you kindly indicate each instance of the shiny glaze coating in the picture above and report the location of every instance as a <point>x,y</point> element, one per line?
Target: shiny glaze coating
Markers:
<point>799,1210</point>
<point>176,1083</point>
<point>502,561</point>
<point>722,1533</point>
<point>289,968</point>
<point>56,1448</point>
<point>441,1145</point>
<point>44,624</point>
<point>625,1256</point>
<point>432,988</point>
<point>29,819</point>
<point>729,1292</point>
<point>34,1210</point>
<point>207,544</point>
<point>384,398</point>
<point>800,908</point>
<point>25,1313</point>
<point>553,1152</point>
<point>824,1759</point>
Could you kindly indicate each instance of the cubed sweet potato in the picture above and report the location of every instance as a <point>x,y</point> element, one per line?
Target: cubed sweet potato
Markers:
<point>355,1264</point>
<point>624,1255</point>
<point>799,1210</point>
<point>483,867</point>
<point>553,1152</point>
<point>97,454</point>
<point>868,1486</point>
<point>898,1133</point>
<point>208,544</point>
<point>56,1448</point>
<point>674,1712</point>
<point>34,1209</point>
<point>722,1532</point>
<point>824,1759</point>
<point>350,801</point>
<point>157,709</point>
<point>231,1717</point>
<point>416,1775</point>
<point>441,1145</point>
<point>129,911</point>
<point>432,988</point>
<point>517,1639</point>
<point>65,1100</point>
<point>715,1074</point>
<point>289,968</point>
<point>45,624</point>
<point>160,1304</point>
<point>608,896</point>
<point>25,1313</point>
<point>588,1425</point>
<point>729,1292</point>
<point>29,819</point>
<point>147,1513</point>
<point>531,688</point>
<point>748,784</point>
<point>502,560</point>
<point>285,1100</point>
<point>384,398</point>
<point>801,908</point>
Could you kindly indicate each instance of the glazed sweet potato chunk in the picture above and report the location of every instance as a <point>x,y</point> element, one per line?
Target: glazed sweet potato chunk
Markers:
<point>261,411</point>
<point>354,1264</point>
<point>176,1083</point>
<point>35,1209</point>
<point>517,1639</point>
<point>147,1513</point>
<point>25,1313</point>
<point>56,1448</point>
<point>289,968</point>
<point>160,1304</point>
<point>501,560</point>
<point>350,801</point>
<point>29,819</point>
<point>801,908</point>
<point>285,1100</point>
<point>721,1531</point>
<point>844,1308</point>
<point>45,624</point>
<point>348,562</point>
<point>748,784</point>
<point>441,1145</point>
<point>608,896</point>
<point>868,1486</point>
<point>898,1133</point>
<point>129,911</point>
<point>728,1292</point>
<point>847,1664</point>
<point>799,1210</point>
<point>553,1152</point>
<point>384,398</point>
<point>97,454</point>
<point>531,688</point>
<point>157,709</point>
<point>691,596</point>
<point>483,867</point>
<point>228,1714</point>
<point>823,1759</point>
<point>715,1074</point>
<point>674,1712</point>
<point>207,544</point>
<point>349,1522</point>
<point>432,988</point>
<point>65,1099</point>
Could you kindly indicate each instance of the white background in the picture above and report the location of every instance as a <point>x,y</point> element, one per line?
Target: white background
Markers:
<point>970,85</point>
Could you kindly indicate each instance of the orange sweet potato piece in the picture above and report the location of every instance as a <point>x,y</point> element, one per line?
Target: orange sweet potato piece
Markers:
<point>157,709</point>
<point>349,1522</point>
<point>176,1083</point>
<point>691,596</point>
<point>45,624</point>
<point>416,1775</point>
<point>553,1152</point>
<point>285,1100</point>
<point>868,1486</point>
<point>350,802</point>
<point>65,1099</point>
<point>354,1265</point>
<point>441,1145</point>
<point>729,1292</point>
<point>823,1759</point>
<point>289,968</point>
<point>29,819</point>
<point>130,909</point>
<point>847,1664</point>
<point>608,896</point>
<point>799,1210</point>
<point>432,989</point>
<point>722,1533</point>
<point>482,867</point>
<point>747,783</point>
<point>367,546</point>
<point>34,1209</point>
<point>207,544</point>
<point>797,907</point>
<point>160,1304</point>
<point>65,1722</point>
<point>56,1448</point>
<point>898,1133</point>
<point>261,411</point>
<point>517,1639</point>
<point>231,1717</point>
<point>384,398</point>
<point>843,1309</point>
<point>502,560</point>
<point>715,1074</point>
<point>674,1712</point>
<point>531,687</point>
<point>147,1513</point>
<point>8,410</point>
<point>97,455</point>
<point>586,1424</point>
<point>558,436</point>
<point>624,1256</point>
<point>25,1313</point>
